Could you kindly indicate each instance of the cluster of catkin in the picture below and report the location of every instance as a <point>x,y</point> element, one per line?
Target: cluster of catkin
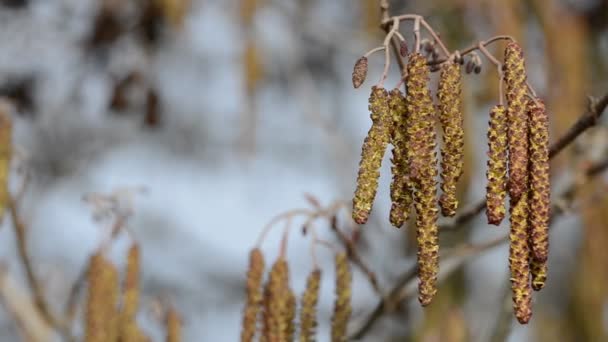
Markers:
<point>111,311</point>
<point>407,122</point>
<point>270,308</point>
<point>518,164</point>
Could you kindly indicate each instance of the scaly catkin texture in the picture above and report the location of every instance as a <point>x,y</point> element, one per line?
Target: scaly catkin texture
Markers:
<point>360,72</point>
<point>539,271</point>
<point>290,315</point>
<point>540,187</point>
<point>128,329</point>
<point>308,307</point>
<point>515,80</point>
<point>519,253</point>
<point>452,152</point>
<point>423,172</point>
<point>174,326</point>
<point>401,192</point>
<point>6,148</point>
<point>101,322</point>
<point>254,295</point>
<point>276,303</point>
<point>372,153</point>
<point>496,189</point>
<point>342,305</point>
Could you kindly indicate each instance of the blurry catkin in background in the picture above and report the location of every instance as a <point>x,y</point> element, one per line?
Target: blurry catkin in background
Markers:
<point>129,331</point>
<point>342,305</point>
<point>308,307</point>
<point>6,147</point>
<point>254,295</point>
<point>173,325</point>
<point>101,315</point>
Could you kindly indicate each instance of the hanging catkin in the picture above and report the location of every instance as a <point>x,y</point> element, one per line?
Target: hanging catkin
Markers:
<point>452,151</point>
<point>517,121</point>
<point>254,295</point>
<point>372,153</point>
<point>496,189</point>
<point>308,307</point>
<point>519,254</point>
<point>6,148</point>
<point>276,303</point>
<point>423,171</point>
<point>401,192</point>
<point>101,315</point>
<point>128,329</point>
<point>342,305</point>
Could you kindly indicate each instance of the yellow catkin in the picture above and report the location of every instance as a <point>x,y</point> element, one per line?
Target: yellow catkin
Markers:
<point>308,307</point>
<point>401,192</point>
<point>254,295</point>
<point>496,189</point>
<point>342,305</point>
<point>517,121</point>
<point>540,187</point>
<point>538,270</point>
<point>372,153</point>
<point>276,303</point>
<point>101,322</point>
<point>173,325</point>
<point>519,253</point>
<point>128,329</point>
<point>423,172</point>
<point>452,122</point>
<point>290,315</point>
<point>174,10</point>
<point>6,148</point>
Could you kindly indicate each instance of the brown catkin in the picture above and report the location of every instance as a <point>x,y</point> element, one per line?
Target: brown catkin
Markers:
<point>496,189</point>
<point>540,187</point>
<point>515,80</point>
<point>290,315</point>
<point>342,305</point>
<point>6,148</point>
<point>128,329</point>
<point>360,72</point>
<point>308,307</point>
<point>401,192</point>
<point>519,253</point>
<point>372,153</point>
<point>101,301</point>
<point>254,295</point>
<point>276,303</point>
<point>173,325</point>
<point>452,151</point>
<point>538,270</point>
<point>423,172</point>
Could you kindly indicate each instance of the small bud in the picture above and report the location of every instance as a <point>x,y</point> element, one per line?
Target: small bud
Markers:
<point>403,50</point>
<point>360,72</point>
<point>477,69</point>
<point>469,67</point>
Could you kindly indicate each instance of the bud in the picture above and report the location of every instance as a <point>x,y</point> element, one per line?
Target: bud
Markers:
<point>360,72</point>
<point>403,50</point>
<point>496,189</point>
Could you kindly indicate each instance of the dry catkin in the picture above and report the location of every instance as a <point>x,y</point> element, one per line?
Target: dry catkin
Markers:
<point>372,153</point>
<point>342,306</point>
<point>515,79</point>
<point>360,72</point>
<point>519,253</point>
<point>6,148</point>
<point>423,172</point>
<point>276,303</point>
<point>401,193</point>
<point>101,301</point>
<point>496,189</point>
<point>308,307</point>
<point>174,326</point>
<point>254,295</point>
<point>128,329</point>
<point>452,152</point>
<point>539,180</point>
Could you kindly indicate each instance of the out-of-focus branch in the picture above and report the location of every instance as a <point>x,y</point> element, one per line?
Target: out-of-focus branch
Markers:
<point>587,120</point>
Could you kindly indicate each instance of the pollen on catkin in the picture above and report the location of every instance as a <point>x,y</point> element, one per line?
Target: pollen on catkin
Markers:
<point>496,189</point>
<point>342,305</point>
<point>360,72</point>
<point>6,148</point>
<point>173,325</point>
<point>128,329</point>
<point>423,172</point>
<point>276,303</point>
<point>372,153</point>
<point>401,192</point>
<point>538,270</point>
<point>540,187</point>
<point>308,307</point>
<point>290,315</point>
<point>515,80</point>
<point>452,151</point>
<point>519,253</point>
<point>101,301</point>
<point>254,294</point>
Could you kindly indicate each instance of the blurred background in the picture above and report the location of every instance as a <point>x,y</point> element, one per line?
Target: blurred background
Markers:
<point>207,118</point>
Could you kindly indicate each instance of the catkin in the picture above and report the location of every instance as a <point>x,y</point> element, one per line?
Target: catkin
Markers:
<point>538,270</point>
<point>276,303</point>
<point>6,148</point>
<point>290,316</point>
<point>423,172</point>
<point>128,329</point>
<point>401,193</point>
<point>308,307</point>
<point>539,180</point>
<point>101,301</point>
<point>452,151</point>
<point>496,189</point>
<point>342,305</point>
<point>372,153</point>
<point>515,80</point>
<point>174,326</point>
<point>519,253</point>
<point>254,295</point>
<point>359,72</point>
